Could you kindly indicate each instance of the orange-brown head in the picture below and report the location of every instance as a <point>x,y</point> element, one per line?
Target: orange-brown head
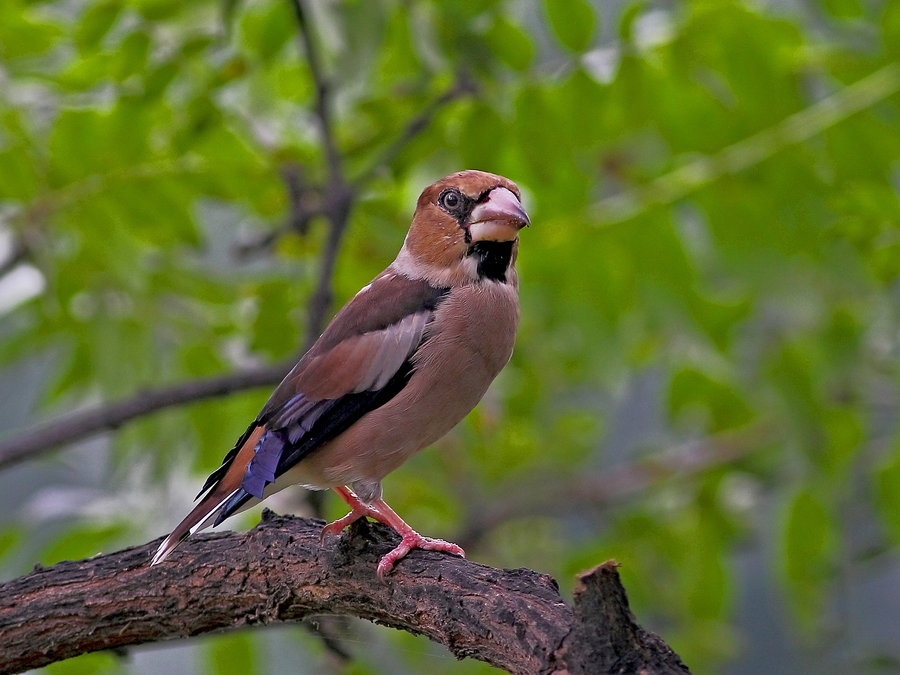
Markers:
<point>465,213</point>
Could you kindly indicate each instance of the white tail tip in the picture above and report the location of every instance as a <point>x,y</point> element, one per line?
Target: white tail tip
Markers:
<point>163,551</point>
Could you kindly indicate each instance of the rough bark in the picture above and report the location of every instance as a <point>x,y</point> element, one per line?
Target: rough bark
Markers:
<point>280,572</point>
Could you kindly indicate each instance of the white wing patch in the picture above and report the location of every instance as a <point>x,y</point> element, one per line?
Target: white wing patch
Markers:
<point>398,342</point>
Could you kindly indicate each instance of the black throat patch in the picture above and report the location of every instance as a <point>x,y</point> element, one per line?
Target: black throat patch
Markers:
<point>493,258</point>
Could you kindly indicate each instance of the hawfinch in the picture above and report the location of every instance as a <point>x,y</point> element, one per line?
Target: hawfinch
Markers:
<point>398,367</point>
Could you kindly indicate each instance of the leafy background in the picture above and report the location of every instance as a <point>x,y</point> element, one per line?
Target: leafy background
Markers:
<point>705,385</point>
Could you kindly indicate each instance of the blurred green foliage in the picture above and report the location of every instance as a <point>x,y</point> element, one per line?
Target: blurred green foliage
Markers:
<point>713,262</point>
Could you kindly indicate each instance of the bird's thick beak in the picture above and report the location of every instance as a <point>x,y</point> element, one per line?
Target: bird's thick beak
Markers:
<point>497,218</point>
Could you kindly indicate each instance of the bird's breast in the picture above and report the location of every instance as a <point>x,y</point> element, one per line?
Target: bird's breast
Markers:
<point>467,344</point>
<point>474,329</point>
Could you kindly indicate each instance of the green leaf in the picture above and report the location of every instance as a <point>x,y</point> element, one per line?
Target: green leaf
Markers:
<point>809,548</point>
<point>573,22</point>
<point>267,27</point>
<point>629,18</point>
<point>510,43</point>
<point>890,28</point>
<point>74,143</point>
<point>158,79</point>
<point>844,438</point>
<point>233,654</point>
<point>843,9</point>
<point>98,663</point>
<point>19,180</point>
<point>82,542</point>
<point>158,10</point>
<point>274,331</point>
<point>73,371</point>
<point>887,494</point>
<point>719,405</point>
<point>480,126</point>
<point>131,55</point>
<point>23,32</point>
<point>95,22</point>
<point>9,540</point>
<point>398,59</point>
<point>707,580</point>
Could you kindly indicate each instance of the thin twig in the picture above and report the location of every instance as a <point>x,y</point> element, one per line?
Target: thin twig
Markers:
<point>44,437</point>
<point>320,302</point>
<point>339,196</point>
<point>332,630</point>
<point>305,204</point>
<point>323,93</point>
<point>304,201</point>
<point>303,209</point>
<point>463,86</point>
<point>796,128</point>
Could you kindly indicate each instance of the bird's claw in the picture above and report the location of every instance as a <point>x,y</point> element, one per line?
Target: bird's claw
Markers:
<point>335,528</point>
<point>413,540</point>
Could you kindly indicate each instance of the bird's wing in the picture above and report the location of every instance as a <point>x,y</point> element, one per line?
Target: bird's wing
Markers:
<point>360,362</point>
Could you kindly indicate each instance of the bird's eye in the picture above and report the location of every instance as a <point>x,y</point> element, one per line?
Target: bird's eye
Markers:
<point>450,199</point>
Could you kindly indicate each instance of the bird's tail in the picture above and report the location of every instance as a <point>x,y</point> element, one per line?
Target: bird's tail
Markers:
<point>200,517</point>
<point>223,485</point>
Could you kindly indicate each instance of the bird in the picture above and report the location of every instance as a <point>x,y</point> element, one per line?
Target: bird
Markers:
<point>399,365</point>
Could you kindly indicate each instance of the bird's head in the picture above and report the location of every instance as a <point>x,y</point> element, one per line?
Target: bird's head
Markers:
<point>460,221</point>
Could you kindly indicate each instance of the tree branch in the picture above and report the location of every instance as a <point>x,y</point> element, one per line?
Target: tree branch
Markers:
<point>75,426</point>
<point>305,203</point>
<point>322,90</point>
<point>463,86</point>
<point>338,195</point>
<point>279,572</point>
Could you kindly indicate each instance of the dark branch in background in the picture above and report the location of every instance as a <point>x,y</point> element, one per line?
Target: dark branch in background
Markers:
<point>338,196</point>
<point>306,200</point>
<point>464,86</point>
<point>323,93</point>
<point>331,630</point>
<point>77,425</point>
<point>279,572</point>
<point>305,203</point>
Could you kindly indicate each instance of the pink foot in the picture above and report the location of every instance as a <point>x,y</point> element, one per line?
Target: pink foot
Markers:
<point>334,529</point>
<point>380,511</point>
<point>412,540</point>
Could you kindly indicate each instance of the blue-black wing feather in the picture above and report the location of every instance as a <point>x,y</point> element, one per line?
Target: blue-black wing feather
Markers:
<point>341,414</point>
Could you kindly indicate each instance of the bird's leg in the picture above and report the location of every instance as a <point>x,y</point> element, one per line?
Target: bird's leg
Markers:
<point>410,539</point>
<point>358,510</point>
<point>380,511</point>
